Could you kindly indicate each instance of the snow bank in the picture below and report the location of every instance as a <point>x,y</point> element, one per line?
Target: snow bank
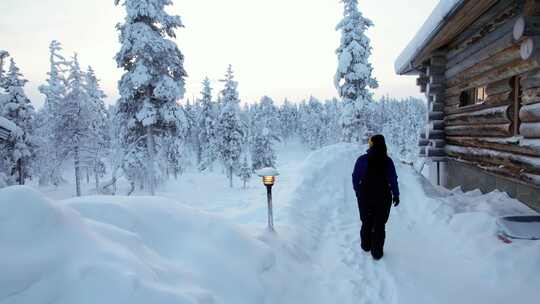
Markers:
<point>426,32</point>
<point>123,250</point>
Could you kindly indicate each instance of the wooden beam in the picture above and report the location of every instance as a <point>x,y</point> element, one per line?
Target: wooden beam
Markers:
<point>530,113</point>
<point>480,63</point>
<point>530,129</point>
<point>498,130</point>
<point>498,115</point>
<point>499,144</point>
<point>499,73</point>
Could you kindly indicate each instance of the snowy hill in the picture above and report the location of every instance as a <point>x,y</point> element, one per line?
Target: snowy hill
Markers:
<point>441,248</point>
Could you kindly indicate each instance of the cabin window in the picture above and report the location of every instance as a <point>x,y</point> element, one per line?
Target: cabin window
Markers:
<point>472,96</point>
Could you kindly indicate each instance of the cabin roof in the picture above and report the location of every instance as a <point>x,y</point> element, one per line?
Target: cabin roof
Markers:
<point>448,19</point>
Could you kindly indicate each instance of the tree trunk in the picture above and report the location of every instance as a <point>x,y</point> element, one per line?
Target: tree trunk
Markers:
<point>20,171</point>
<point>230,173</point>
<point>151,145</point>
<point>96,180</point>
<point>87,175</point>
<point>77,171</point>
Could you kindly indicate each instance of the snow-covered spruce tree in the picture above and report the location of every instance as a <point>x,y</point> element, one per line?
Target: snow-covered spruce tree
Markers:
<point>353,78</point>
<point>98,144</point>
<point>18,153</point>
<point>74,121</point>
<point>229,128</point>
<point>3,56</point>
<point>245,172</point>
<point>192,131</point>
<point>264,133</point>
<point>314,130</point>
<point>206,123</point>
<point>152,84</point>
<point>48,139</point>
<point>287,115</point>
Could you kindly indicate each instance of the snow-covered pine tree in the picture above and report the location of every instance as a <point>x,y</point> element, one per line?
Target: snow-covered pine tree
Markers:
<point>98,145</point>
<point>3,56</point>
<point>287,114</point>
<point>229,129</point>
<point>74,121</point>
<point>314,133</point>
<point>245,172</point>
<point>48,139</point>
<point>266,126</point>
<point>353,78</point>
<point>152,84</point>
<point>206,124</point>
<point>18,153</point>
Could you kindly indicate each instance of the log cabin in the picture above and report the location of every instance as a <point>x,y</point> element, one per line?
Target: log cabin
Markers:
<point>478,63</point>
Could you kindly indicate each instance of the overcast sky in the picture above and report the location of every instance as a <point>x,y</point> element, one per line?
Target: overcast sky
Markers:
<point>279,48</point>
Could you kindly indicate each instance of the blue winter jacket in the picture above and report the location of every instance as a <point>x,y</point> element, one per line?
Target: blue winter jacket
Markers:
<point>360,170</point>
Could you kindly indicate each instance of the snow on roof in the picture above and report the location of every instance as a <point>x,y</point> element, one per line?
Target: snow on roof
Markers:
<point>430,28</point>
<point>10,126</point>
<point>267,172</point>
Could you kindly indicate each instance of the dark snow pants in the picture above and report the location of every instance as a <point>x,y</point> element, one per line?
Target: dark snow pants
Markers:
<point>374,214</point>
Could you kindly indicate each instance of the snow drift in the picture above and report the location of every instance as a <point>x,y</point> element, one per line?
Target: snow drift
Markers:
<point>122,250</point>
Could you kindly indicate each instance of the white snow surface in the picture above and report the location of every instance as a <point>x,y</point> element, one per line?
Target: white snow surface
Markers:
<point>426,32</point>
<point>209,244</point>
<point>267,172</point>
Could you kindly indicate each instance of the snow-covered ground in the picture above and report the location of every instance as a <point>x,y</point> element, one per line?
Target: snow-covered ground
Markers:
<point>202,242</point>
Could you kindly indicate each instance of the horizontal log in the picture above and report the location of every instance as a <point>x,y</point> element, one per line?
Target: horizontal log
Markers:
<point>483,62</point>
<point>439,143</point>
<point>437,79</point>
<point>516,145</point>
<point>498,115</point>
<point>423,80</point>
<point>500,130</point>
<point>422,152</point>
<point>501,10</point>
<point>436,107</point>
<point>423,143</point>
<point>530,80</point>
<point>530,113</point>
<point>512,162</point>
<point>438,125</point>
<point>498,87</point>
<point>530,129</point>
<point>502,72</point>
<point>434,116</point>
<point>530,96</point>
<point>436,70</point>
<point>488,41</point>
<point>526,26</point>
<point>436,135</point>
<point>435,152</point>
<point>452,100</point>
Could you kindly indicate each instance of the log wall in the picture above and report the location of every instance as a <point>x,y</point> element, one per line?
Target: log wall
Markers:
<point>498,53</point>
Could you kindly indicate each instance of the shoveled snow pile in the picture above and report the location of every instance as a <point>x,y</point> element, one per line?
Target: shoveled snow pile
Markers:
<point>122,250</point>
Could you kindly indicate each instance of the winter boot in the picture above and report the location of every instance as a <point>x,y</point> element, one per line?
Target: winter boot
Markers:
<point>377,254</point>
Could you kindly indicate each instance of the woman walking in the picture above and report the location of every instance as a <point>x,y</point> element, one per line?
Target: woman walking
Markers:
<point>375,183</point>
